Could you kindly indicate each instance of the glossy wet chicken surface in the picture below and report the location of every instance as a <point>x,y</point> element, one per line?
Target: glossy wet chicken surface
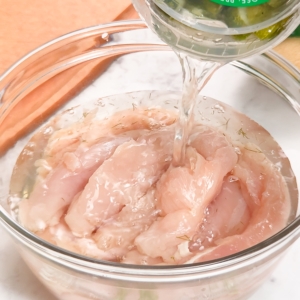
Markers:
<point>107,189</point>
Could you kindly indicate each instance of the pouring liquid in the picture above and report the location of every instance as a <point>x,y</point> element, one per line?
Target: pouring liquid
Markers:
<point>201,53</point>
<point>197,68</point>
<point>196,73</point>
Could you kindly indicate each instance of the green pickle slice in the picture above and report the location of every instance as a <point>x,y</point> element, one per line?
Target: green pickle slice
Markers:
<point>242,16</point>
<point>204,8</point>
<point>234,17</point>
<point>266,33</point>
<point>272,31</point>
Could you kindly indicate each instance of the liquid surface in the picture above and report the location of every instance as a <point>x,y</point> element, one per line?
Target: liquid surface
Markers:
<point>107,188</point>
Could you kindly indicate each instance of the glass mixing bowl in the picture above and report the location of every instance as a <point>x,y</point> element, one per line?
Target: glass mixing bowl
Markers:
<point>214,40</point>
<point>83,68</point>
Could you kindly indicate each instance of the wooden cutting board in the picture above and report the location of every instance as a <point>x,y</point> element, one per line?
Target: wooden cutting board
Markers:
<point>25,25</point>
<point>290,49</point>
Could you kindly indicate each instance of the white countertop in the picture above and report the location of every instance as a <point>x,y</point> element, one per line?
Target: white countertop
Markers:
<point>18,283</point>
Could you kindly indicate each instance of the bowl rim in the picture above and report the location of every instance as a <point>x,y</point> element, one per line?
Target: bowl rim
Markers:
<point>66,257</point>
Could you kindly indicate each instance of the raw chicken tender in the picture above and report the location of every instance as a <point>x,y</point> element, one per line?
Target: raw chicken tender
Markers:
<point>228,214</point>
<point>89,131</point>
<point>267,201</point>
<point>52,196</point>
<point>118,234</point>
<point>108,189</point>
<point>183,193</point>
<point>121,180</point>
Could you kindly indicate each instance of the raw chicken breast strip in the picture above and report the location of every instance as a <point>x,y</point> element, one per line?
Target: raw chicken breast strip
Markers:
<point>90,130</point>
<point>120,180</point>
<point>227,215</point>
<point>118,234</point>
<point>114,239</point>
<point>73,154</point>
<point>51,196</point>
<point>270,203</point>
<point>183,193</point>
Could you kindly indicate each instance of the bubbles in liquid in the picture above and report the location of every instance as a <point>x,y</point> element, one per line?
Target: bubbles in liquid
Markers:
<point>218,40</point>
<point>71,111</point>
<point>233,179</point>
<point>219,108</point>
<point>105,36</point>
<point>237,150</point>
<point>100,103</point>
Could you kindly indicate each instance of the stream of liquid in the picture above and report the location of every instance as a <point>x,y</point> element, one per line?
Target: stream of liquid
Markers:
<point>173,22</point>
<point>196,73</point>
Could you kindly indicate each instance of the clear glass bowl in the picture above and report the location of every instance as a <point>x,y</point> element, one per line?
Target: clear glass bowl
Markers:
<point>208,40</point>
<point>89,64</point>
